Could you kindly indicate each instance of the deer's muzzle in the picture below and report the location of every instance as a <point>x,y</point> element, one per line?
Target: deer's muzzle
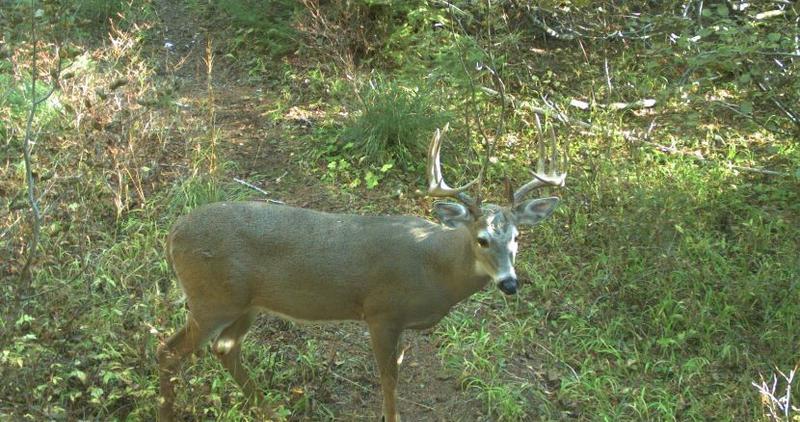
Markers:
<point>508,285</point>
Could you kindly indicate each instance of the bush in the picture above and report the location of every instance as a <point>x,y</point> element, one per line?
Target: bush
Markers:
<point>393,124</point>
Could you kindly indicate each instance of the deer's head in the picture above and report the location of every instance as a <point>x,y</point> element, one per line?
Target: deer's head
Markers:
<point>493,228</point>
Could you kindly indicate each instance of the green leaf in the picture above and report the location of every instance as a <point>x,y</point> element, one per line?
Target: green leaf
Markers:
<point>371,179</point>
<point>96,393</point>
<point>80,375</point>
<point>774,36</point>
<point>24,319</point>
<point>746,107</point>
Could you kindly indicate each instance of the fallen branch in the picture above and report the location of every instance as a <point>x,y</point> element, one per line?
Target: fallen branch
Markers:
<point>251,186</point>
<point>639,104</point>
<point>551,111</point>
<point>769,14</point>
<point>757,170</point>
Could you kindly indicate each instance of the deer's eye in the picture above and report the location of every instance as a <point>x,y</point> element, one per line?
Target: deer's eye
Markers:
<point>483,242</point>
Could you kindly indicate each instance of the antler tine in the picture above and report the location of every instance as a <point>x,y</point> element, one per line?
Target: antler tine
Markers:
<point>540,177</point>
<point>437,187</point>
<point>540,150</point>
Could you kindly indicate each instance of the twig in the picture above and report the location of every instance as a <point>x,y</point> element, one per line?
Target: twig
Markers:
<point>757,170</point>
<point>497,81</point>
<point>766,89</point>
<point>638,104</point>
<point>32,246</point>
<point>551,111</point>
<point>769,14</point>
<point>574,372</point>
<point>10,227</point>
<point>251,186</point>
<point>451,6</point>
<point>343,378</point>
<point>367,390</point>
<point>278,180</point>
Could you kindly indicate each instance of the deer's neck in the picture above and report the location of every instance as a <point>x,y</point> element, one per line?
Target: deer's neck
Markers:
<point>464,277</point>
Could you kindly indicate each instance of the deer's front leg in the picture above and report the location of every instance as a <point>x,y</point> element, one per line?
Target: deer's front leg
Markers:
<point>384,337</point>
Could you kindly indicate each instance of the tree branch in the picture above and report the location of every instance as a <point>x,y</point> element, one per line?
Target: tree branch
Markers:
<point>27,143</point>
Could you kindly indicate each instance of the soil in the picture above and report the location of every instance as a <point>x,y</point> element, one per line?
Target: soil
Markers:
<point>349,386</point>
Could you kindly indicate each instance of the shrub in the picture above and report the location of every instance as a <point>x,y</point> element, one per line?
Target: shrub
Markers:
<point>393,124</point>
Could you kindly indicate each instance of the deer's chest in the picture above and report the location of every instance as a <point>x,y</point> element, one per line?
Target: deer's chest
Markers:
<point>426,316</point>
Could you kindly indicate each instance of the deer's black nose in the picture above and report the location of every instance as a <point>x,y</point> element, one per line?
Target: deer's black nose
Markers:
<point>508,285</point>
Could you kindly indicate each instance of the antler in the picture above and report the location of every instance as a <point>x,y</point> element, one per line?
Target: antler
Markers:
<point>437,187</point>
<point>540,176</point>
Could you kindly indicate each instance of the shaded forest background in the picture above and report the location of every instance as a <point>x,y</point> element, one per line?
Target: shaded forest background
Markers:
<point>665,287</point>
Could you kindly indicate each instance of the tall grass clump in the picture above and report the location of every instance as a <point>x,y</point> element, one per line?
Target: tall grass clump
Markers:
<point>394,124</point>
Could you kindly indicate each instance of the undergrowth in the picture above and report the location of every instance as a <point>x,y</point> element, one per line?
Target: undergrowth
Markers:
<point>663,288</point>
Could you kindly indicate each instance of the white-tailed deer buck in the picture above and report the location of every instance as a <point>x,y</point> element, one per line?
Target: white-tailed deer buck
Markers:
<point>236,259</point>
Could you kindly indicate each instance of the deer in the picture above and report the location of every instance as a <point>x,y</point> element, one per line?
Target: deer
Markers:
<point>235,260</point>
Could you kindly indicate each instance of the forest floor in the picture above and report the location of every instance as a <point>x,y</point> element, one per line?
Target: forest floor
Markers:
<point>663,288</point>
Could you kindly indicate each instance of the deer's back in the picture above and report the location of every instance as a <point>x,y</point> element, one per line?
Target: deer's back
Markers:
<point>300,263</point>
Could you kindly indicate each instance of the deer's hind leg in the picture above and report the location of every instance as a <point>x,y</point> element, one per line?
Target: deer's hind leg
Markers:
<point>195,332</point>
<point>228,348</point>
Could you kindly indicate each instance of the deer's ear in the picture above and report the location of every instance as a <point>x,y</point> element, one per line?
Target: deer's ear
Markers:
<point>452,214</point>
<point>534,211</point>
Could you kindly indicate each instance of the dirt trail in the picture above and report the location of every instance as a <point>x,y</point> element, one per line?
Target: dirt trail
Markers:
<point>349,385</point>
